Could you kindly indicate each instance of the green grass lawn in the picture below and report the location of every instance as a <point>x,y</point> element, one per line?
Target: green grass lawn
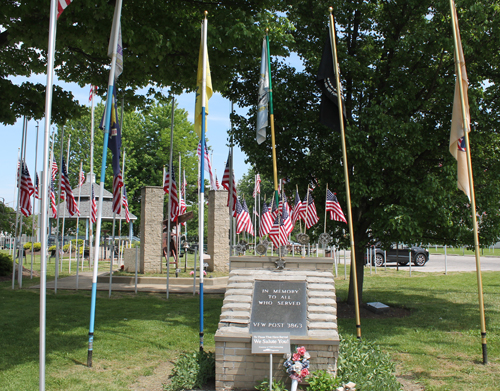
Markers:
<point>438,345</point>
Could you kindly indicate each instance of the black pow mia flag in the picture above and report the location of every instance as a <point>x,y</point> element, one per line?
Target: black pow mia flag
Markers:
<point>329,111</point>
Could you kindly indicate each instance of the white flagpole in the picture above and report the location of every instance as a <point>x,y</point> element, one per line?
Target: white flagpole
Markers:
<point>78,226</point>
<point>111,81</point>
<point>34,204</point>
<point>169,210</point>
<point>64,209</point>
<point>45,183</point>
<point>91,232</point>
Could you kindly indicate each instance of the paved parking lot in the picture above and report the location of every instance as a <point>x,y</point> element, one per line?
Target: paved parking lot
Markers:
<point>454,263</point>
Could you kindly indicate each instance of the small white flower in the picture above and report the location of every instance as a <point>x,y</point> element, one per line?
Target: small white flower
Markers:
<point>307,356</point>
<point>297,367</point>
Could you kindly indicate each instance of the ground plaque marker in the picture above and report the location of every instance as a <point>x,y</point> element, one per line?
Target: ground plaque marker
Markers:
<point>279,306</point>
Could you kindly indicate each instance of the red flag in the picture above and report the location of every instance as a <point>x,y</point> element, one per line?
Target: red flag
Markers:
<point>61,6</point>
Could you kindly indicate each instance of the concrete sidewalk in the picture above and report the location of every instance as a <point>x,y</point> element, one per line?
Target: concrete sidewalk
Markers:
<point>149,284</point>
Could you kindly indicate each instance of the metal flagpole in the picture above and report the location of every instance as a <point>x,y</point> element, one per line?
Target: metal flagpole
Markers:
<point>44,193</point>
<point>21,247</point>
<point>466,124</point>
<point>346,172</point>
<point>201,200</point>
<point>169,210</point>
<point>77,224</point>
<point>230,163</point>
<point>326,194</point>
<point>19,169</point>
<point>111,81</point>
<point>168,243</point>
<point>58,245</point>
<point>120,254</point>
<point>34,203</point>
<point>178,227</point>
<point>91,232</point>
<point>64,209</point>
<point>271,117</point>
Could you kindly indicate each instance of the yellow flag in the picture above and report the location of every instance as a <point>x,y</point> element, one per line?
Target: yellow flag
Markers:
<point>208,91</point>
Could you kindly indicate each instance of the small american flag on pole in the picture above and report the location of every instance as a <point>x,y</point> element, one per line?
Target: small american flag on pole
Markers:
<point>82,178</point>
<point>27,190</point>
<point>310,208</point>
<point>266,221</point>
<point>93,207</point>
<point>333,206</point>
<point>61,6</point>
<point>37,194</point>
<point>93,91</point>
<point>256,190</point>
<point>174,208</point>
<point>53,199</point>
<point>117,196</point>
<point>243,221</point>
<point>225,185</point>
<point>66,187</point>
<point>125,205</point>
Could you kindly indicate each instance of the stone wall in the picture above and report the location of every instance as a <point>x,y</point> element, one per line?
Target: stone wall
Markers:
<point>151,229</point>
<point>236,367</point>
<point>218,231</point>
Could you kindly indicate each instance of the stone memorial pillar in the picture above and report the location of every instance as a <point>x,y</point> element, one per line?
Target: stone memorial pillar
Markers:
<point>151,229</point>
<point>218,231</point>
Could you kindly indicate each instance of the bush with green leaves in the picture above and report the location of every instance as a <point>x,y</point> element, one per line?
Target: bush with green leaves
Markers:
<point>37,246</point>
<point>80,242</point>
<point>322,381</point>
<point>362,362</point>
<point>27,246</point>
<point>52,248</point>
<point>278,385</point>
<point>5,264</point>
<point>192,371</point>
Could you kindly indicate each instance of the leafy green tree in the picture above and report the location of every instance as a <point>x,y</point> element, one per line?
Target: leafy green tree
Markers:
<point>157,55</point>
<point>146,144</point>
<point>397,72</point>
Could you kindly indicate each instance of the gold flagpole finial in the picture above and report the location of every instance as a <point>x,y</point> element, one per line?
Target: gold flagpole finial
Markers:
<point>330,9</point>
<point>206,13</point>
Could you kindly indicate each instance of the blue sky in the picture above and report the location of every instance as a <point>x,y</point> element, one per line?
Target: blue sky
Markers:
<point>218,124</point>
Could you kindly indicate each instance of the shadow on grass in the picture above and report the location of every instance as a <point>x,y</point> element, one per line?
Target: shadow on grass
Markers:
<point>122,325</point>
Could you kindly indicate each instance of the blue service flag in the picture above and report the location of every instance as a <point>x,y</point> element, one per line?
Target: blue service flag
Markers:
<point>115,135</point>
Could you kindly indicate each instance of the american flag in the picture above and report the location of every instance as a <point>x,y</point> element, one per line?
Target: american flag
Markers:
<point>66,187</point>
<point>53,199</point>
<point>282,227</point>
<point>333,206</point>
<point>54,169</point>
<point>243,221</point>
<point>266,221</point>
<point>184,184</point>
<point>37,184</point>
<point>174,208</point>
<point>225,184</point>
<point>312,216</point>
<point>207,166</point>
<point>93,91</point>
<point>125,205</point>
<point>296,211</point>
<point>82,178</point>
<point>117,195</point>
<point>61,6</point>
<point>217,184</point>
<point>256,189</point>
<point>274,208</point>
<point>93,207</point>
<point>27,190</point>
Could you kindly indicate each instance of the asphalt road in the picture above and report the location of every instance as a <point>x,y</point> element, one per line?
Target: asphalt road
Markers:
<point>454,263</point>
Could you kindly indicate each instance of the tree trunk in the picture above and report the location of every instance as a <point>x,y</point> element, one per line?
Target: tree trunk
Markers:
<point>360,268</point>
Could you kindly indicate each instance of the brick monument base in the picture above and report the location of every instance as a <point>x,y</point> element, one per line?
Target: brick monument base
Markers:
<point>236,367</point>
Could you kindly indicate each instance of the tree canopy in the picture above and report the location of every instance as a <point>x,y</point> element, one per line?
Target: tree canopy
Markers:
<point>397,71</point>
<point>160,44</point>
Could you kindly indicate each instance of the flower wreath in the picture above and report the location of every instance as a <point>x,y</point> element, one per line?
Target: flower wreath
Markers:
<point>297,364</point>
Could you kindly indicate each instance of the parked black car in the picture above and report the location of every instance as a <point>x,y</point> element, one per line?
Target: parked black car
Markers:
<point>399,254</point>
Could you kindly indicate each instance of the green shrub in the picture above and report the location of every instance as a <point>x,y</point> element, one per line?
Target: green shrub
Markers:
<point>66,248</point>
<point>37,246</point>
<point>363,363</point>
<point>52,248</point>
<point>5,264</point>
<point>80,242</point>
<point>278,385</point>
<point>322,381</point>
<point>192,371</point>
<point>27,246</point>
<point>136,244</point>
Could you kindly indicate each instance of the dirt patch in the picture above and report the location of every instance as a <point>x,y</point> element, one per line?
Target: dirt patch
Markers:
<point>347,311</point>
<point>155,381</point>
<point>26,273</point>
